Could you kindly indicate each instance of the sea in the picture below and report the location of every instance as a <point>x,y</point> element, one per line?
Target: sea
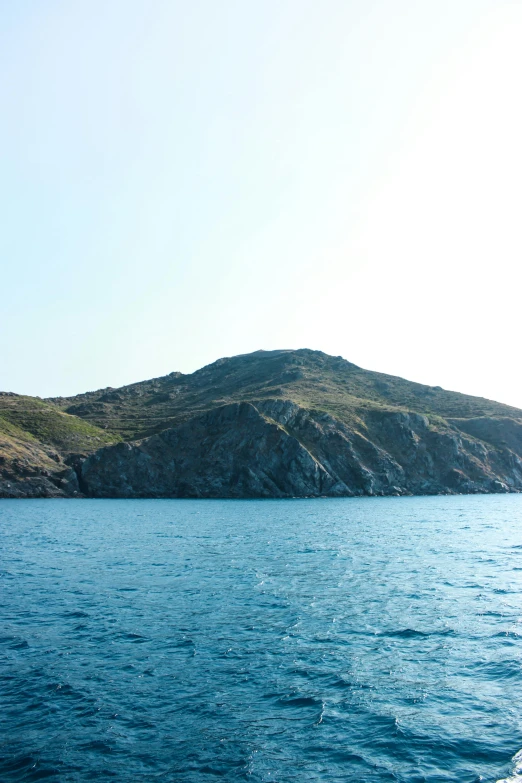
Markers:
<point>274,641</point>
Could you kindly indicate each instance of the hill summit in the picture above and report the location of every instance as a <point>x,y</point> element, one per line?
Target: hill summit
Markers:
<point>281,423</point>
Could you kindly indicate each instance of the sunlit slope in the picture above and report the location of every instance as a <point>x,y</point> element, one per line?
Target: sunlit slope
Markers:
<point>48,424</point>
<point>37,441</point>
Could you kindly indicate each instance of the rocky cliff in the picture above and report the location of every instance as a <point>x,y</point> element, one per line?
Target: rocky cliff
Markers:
<point>275,448</point>
<point>268,424</point>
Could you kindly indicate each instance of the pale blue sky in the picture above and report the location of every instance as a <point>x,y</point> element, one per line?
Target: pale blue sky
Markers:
<point>182,181</point>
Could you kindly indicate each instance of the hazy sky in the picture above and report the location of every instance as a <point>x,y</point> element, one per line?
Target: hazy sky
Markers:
<point>181,181</point>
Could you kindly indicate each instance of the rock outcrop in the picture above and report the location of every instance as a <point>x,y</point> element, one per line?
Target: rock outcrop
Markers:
<point>30,470</point>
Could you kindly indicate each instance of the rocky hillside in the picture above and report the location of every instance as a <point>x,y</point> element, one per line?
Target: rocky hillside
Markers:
<point>311,379</point>
<point>279,424</point>
<point>40,446</point>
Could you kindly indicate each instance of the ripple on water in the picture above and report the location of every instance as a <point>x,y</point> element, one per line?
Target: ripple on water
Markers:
<point>318,641</point>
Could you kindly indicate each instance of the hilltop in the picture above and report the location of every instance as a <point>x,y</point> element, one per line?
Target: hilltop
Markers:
<point>270,424</point>
<point>311,379</point>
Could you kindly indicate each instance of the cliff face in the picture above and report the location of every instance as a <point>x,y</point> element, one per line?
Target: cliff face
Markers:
<point>279,449</point>
<point>267,424</point>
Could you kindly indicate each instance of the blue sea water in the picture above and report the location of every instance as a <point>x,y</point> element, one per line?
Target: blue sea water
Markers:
<point>372,639</point>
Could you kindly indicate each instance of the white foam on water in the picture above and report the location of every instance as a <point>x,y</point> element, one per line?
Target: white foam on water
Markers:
<point>516,775</point>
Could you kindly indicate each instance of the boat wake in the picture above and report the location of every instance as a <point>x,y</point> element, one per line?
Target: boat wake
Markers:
<point>516,774</point>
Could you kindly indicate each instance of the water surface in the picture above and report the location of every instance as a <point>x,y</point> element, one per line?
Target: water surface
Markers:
<point>375,639</point>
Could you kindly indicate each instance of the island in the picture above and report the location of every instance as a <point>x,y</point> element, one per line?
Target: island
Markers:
<point>269,424</point>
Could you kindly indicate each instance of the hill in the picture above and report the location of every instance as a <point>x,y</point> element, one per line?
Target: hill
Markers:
<point>311,379</point>
<point>277,424</point>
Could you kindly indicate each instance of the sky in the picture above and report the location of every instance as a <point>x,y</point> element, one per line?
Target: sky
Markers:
<point>185,181</point>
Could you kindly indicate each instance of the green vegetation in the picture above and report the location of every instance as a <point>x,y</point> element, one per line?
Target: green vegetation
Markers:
<point>10,430</point>
<point>310,378</point>
<point>31,419</point>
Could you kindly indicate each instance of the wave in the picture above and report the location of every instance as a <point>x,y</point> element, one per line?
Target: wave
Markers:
<point>516,772</point>
<point>412,633</point>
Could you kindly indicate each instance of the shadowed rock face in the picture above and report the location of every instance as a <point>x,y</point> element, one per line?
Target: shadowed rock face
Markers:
<point>276,448</point>
<point>233,452</point>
